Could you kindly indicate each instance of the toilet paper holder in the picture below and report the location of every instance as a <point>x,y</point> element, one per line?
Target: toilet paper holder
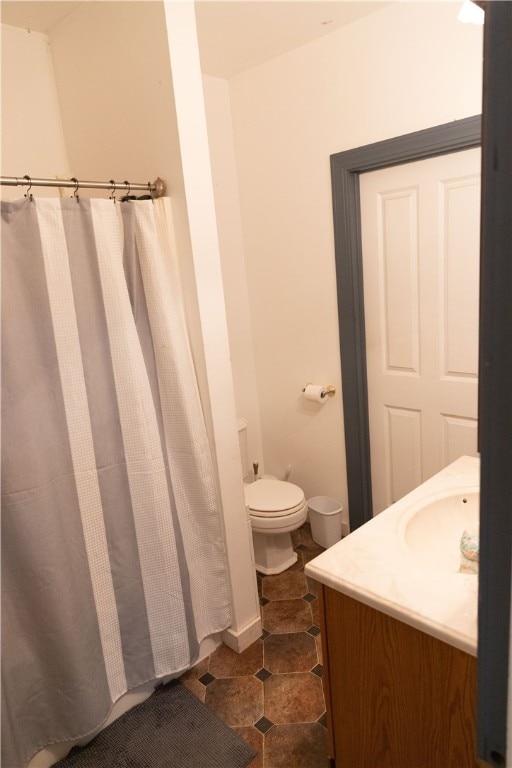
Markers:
<point>328,391</point>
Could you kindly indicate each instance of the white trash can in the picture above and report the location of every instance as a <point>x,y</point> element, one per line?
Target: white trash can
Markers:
<point>325,519</point>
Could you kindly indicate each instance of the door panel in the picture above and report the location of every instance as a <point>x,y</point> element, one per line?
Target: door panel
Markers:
<point>420,238</point>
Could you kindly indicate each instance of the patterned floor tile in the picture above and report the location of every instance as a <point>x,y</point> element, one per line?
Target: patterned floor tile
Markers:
<point>294,698</point>
<point>306,537</point>
<point>227,663</point>
<point>316,611</point>
<point>313,586</point>
<point>299,565</point>
<point>300,745</point>
<point>285,586</point>
<point>318,641</point>
<point>197,671</point>
<point>268,694</point>
<point>236,700</point>
<point>311,553</point>
<point>287,616</point>
<point>263,725</point>
<point>255,739</point>
<point>292,652</point>
<point>195,687</point>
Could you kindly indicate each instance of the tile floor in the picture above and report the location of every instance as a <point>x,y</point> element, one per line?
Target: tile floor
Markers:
<point>271,694</point>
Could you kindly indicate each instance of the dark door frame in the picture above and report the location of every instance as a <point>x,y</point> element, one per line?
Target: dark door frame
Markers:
<point>495,388</point>
<point>345,170</point>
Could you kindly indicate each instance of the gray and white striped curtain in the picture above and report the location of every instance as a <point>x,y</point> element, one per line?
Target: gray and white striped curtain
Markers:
<point>113,560</point>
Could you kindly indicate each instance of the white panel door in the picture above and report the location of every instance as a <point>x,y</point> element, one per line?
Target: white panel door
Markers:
<point>421,244</point>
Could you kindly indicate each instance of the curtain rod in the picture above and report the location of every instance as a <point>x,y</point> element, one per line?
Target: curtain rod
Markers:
<point>157,188</point>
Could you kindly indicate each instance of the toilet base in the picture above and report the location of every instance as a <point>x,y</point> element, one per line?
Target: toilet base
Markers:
<point>273,553</point>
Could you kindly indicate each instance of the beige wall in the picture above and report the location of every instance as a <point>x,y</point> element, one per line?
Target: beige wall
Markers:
<point>407,67</point>
<point>115,90</point>
<point>114,83</point>
<point>32,135</point>
<point>229,226</point>
<point>94,99</point>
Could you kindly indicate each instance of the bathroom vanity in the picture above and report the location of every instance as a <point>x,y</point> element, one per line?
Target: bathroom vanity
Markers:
<point>399,632</point>
<point>397,697</point>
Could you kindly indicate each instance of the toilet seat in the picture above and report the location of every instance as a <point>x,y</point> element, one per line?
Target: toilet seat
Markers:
<point>273,498</point>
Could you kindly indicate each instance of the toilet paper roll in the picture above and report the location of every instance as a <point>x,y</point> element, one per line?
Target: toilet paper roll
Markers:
<point>314,392</point>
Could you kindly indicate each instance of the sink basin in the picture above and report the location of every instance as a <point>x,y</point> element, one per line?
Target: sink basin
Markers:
<point>405,562</point>
<point>432,528</point>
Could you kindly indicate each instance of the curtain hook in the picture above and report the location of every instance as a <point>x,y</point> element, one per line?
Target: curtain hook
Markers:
<point>112,196</point>
<point>77,184</point>
<point>151,193</point>
<point>128,187</point>
<point>28,193</point>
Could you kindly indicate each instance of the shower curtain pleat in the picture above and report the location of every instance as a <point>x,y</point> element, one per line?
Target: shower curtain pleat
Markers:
<point>113,560</point>
<point>186,444</point>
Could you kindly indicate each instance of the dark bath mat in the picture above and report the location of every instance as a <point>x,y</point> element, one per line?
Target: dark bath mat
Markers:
<point>171,729</point>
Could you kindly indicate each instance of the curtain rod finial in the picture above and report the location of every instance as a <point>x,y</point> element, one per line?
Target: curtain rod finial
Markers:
<point>159,187</point>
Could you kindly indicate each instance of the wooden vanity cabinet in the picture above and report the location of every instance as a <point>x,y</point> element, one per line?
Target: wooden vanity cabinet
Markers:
<point>396,697</point>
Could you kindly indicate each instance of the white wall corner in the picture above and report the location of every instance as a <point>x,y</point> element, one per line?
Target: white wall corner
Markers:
<point>232,253</point>
<point>193,137</point>
<point>244,637</point>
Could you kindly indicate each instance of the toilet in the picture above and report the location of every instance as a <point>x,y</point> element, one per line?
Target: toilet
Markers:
<point>276,508</point>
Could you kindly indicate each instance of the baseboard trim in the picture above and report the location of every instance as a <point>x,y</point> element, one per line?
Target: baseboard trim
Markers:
<point>239,641</point>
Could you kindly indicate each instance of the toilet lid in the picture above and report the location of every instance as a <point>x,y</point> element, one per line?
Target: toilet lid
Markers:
<point>273,495</point>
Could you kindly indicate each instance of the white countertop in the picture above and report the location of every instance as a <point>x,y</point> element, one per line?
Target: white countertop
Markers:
<point>373,565</point>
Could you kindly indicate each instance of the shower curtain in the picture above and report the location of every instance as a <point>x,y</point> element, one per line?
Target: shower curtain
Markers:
<point>113,560</point>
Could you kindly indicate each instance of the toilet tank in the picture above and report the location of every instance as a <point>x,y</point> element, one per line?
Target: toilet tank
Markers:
<point>242,441</point>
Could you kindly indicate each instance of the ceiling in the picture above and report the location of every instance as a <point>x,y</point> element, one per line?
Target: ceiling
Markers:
<point>234,35</point>
<point>36,15</point>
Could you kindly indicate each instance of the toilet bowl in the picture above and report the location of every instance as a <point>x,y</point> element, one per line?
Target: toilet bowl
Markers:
<point>276,508</point>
